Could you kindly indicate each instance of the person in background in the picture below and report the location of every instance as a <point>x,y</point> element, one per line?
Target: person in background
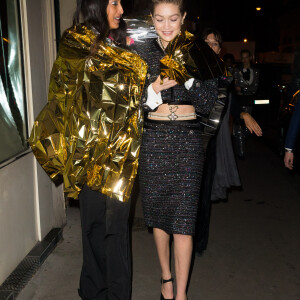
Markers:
<point>94,122</point>
<point>293,90</point>
<point>229,61</point>
<point>292,134</point>
<point>214,39</point>
<point>246,82</point>
<point>220,167</point>
<point>246,79</point>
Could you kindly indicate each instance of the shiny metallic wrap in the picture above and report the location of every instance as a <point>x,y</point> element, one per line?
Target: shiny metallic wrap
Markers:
<point>90,130</point>
<point>187,57</point>
<point>141,29</point>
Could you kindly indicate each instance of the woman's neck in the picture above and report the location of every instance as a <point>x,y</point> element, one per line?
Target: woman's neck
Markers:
<point>163,44</point>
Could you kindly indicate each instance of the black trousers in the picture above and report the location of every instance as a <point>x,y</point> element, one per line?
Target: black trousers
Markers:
<point>106,269</point>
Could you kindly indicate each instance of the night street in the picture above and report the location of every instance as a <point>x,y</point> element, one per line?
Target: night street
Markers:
<point>253,252</point>
<point>167,104</point>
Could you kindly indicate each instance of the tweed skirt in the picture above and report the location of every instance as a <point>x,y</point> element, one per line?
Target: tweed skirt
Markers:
<point>170,171</point>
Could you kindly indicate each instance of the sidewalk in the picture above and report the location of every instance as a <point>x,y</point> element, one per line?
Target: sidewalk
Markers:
<point>253,252</point>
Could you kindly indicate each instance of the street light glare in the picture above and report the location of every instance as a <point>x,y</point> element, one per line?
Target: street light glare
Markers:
<point>245,40</point>
<point>258,8</point>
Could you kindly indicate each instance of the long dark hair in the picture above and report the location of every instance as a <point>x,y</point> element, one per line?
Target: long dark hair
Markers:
<point>93,13</point>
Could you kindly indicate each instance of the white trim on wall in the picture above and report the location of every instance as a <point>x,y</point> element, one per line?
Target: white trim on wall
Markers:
<point>30,111</point>
<point>48,15</point>
<point>27,67</point>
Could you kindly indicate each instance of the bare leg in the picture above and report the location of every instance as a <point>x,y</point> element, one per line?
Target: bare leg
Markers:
<point>183,247</point>
<point>162,241</point>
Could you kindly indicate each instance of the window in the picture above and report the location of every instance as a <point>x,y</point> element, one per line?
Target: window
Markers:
<point>13,128</point>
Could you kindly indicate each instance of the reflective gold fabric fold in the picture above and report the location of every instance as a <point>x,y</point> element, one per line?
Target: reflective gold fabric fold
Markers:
<point>187,57</point>
<point>90,130</point>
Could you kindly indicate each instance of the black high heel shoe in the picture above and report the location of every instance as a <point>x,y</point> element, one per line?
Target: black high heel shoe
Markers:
<point>163,281</point>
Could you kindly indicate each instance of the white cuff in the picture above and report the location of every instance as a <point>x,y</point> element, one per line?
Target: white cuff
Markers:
<point>188,84</point>
<point>153,99</point>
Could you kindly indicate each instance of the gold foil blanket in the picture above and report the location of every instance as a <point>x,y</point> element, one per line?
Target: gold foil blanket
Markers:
<point>90,130</point>
<point>187,57</point>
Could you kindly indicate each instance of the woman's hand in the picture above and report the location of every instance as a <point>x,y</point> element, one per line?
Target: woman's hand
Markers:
<point>251,124</point>
<point>289,159</point>
<point>159,85</point>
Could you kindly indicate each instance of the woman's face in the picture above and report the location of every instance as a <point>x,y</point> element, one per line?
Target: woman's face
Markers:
<point>167,20</point>
<point>212,42</point>
<point>114,13</point>
<point>245,58</point>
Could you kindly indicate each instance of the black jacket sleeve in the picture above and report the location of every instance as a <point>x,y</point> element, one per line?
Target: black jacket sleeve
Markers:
<point>203,95</point>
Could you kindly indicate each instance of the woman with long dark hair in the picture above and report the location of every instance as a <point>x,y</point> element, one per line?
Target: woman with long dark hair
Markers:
<point>172,155</point>
<point>90,133</point>
<point>220,167</point>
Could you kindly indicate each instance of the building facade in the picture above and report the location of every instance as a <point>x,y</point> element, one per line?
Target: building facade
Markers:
<point>30,204</point>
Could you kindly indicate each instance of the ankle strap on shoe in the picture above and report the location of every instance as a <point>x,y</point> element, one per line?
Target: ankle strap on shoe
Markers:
<point>163,281</point>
